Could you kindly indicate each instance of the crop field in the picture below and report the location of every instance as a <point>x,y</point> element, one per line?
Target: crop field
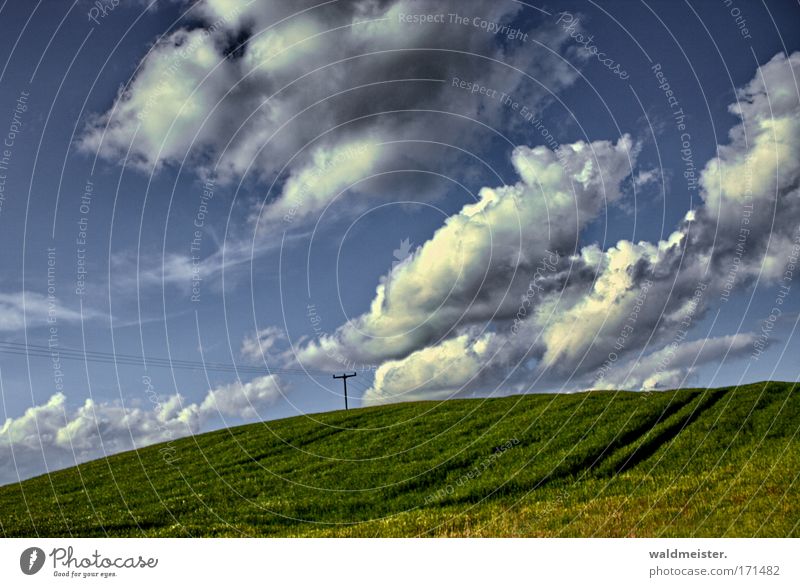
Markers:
<point>693,462</point>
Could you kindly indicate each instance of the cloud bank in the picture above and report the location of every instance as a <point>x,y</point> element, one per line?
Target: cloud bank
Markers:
<point>260,88</point>
<point>438,324</point>
<point>52,436</point>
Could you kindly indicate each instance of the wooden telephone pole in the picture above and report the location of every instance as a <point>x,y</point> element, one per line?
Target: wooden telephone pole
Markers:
<point>344,377</point>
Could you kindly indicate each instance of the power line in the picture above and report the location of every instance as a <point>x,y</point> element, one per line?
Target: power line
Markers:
<point>33,350</point>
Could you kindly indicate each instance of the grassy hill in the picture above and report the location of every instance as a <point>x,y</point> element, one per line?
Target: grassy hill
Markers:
<point>722,462</point>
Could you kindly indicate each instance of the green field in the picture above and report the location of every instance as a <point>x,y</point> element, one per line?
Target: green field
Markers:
<point>721,462</point>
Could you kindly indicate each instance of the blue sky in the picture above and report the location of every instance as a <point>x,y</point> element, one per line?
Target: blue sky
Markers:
<point>447,207</point>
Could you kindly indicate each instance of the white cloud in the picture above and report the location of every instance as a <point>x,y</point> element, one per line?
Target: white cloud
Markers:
<point>238,111</point>
<point>722,244</point>
<point>51,436</point>
<point>28,309</point>
<point>296,107</point>
<point>476,267</point>
<point>604,307</point>
<point>330,172</point>
<point>673,365</point>
<point>241,400</point>
<point>434,372</point>
<point>454,295</point>
<point>263,343</point>
<point>158,115</point>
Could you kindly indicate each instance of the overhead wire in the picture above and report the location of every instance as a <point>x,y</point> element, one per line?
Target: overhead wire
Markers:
<point>33,350</point>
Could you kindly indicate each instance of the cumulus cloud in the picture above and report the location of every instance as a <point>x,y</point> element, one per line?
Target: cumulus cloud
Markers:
<point>279,91</point>
<point>52,436</point>
<point>478,265</point>
<point>606,306</point>
<point>743,231</point>
<point>673,365</point>
<point>263,343</point>
<point>421,376</point>
<point>284,93</point>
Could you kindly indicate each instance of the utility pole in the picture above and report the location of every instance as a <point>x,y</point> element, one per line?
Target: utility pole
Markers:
<point>344,377</point>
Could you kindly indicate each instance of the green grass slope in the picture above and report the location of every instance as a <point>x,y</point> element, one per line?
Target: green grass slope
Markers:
<point>722,462</point>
